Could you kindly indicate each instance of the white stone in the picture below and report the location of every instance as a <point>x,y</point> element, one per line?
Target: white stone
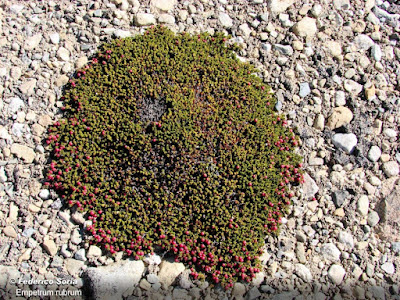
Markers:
<point>54,38</point>
<point>81,62</point>
<point>391,168</point>
<point>352,87</point>
<point>225,20</point>
<point>307,27</point>
<point>144,19</point>
<point>363,42</point>
<point>303,272</point>
<point>28,87</point>
<point>336,274</point>
<point>63,54</point>
<point>340,98</point>
<point>310,188</point>
<point>4,133</point>
<point>279,6</point>
<point>345,141</point>
<point>245,30</point>
<point>44,194</point>
<point>388,267</point>
<point>374,153</point>
<point>119,33</point>
<point>330,251</point>
<point>363,205</point>
<point>152,259</point>
<point>164,5</point>
<point>334,48</point>
<point>18,129</point>
<point>93,251</point>
<point>32,42</point>
<point>347,239</point>
<point>24,152</point>
<point>166,19</point>
<point>376,52</point>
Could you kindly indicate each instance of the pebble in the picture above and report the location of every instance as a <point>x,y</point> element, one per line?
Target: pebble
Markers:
<point>63,54</point>
<point>54,38</point>
<point>334,48</point>
<point>388,267</point>
<point>303,272</point>
<point>225,20</point>
<point>374,153</point>
<point>376,52</point>
<point>10,232</point>
<point>253,293</point>
<point>391,168</point>
<point>345,141</point>
<point>163,18</point>
<point>310,188</point>
<point>279,6</point>
<point>336,274</point>
<point>363,42</point>
<point>373,218</point>
<point>28,87</point>
<point>24,152</point>
<point>144,19</point>
<point>339,197</point>
<point>32,42</point>
<point>44,194</point>
<point>164,5</point>
<point>352,87</point>
<point>347,239</point>
<point>238,290</point>
<point>50,246</point>
<point>363,205</point>
<point>330,251</point>
<point>80,255</point>
<point>284,49</point>
<point>341,116</point>
<point>319,122</point>
<point>93,252</point>
<point>304,89</point>
<point>307,27</point>
<point>169,272</point>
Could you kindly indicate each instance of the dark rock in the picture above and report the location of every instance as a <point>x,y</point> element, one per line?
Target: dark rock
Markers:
<point>339,197</point>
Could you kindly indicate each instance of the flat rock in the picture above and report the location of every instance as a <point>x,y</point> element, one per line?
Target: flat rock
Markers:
<point>341,116</point>
<point>10,232</point>
<point>339,197</point>
<point>304,89</point>
<point>253,293</point>
<point>61,80</point>
<point>143,19</point>
<point>74,266</point>
<point>345,141</point>
<point>54,38</point>
<point>334,48</point>
<point>310,188</point>
<point>391,168</point>
<point>114,281</point>
<point>352,87</point>
<point>24,152</point>
<point>28,87</point>
<point>303,272</point>
<point>389,210</point>
<point>32,42</point>
<point>225,20</point>
<point>330,252</point>
<point>307,27</point>
<point>336,274</point>
<point>164,5</point>
<point>169,272</point>
<point>50,246</point>
<point>279,6</point>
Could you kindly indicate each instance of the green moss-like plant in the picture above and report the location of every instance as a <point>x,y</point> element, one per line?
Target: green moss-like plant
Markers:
<point>169,142</point>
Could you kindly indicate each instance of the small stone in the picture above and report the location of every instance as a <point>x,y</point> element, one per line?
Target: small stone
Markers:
<point>28,87</point>
<point>164,5</point>
<point>15,73</point>
<point>50,246</point>
<point>310,188</point>
<point>352,87</point>
<point>347,239</point>
<point>363,42</point>
<point>54,38</point>
<point>373,218</point>
<point>339,197</point>
<point>319,122</point>
<point>376,52</point>
<point>74,266</point>
<point>32,42</point>
<point>388,267</point>
<point>303,272</point>
<point>284,49</point>
<point>304,89</point>
<point>340,98</point>
<point>26,255</point>
<point>341,116</point>
<point>389,132</point>
<point>307,27</point>
<point>330,251</point>
<point>334,48</point>
<point>144,284</point>
<point>152,278</point>
<point>345,141</point>
<point>245,30</point>
<point>378,292</point>
<point>374,153</point>
<point>391,168</point>
<point>339,212</point>
<point>44,194</point>
<point>336,274</point>
<point>166,19</point>
<point>297,45</point>
<point>15,104</point>
<point>144,19</point>
<point>10,232</point>
<point>225,20</point>
<point>12,213</point>
<point>93,252</point>
<point>24,152</point>
<point>63,54</point>
<point>279,6</point>
<point>238,290</point>
<point>169,272</point>
<point>33,208</point>
<point>253,293</point>
<point>363,205</point>
<point>152,259</point>
<point>81,62</point>
<point>121,34</point>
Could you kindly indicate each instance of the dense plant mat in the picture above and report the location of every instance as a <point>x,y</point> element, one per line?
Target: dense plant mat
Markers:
<point>170,143</point>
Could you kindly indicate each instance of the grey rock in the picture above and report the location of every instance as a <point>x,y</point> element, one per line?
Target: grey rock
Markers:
<point>239,290</point>
<point>279,6</point>
<point>119,33</point>
<point>339,197</point>
<point>347,239</point>
<point>166,19</point>
<point>144,19</point>
<point>18,129</point>
<point>376,52</point>
<point>225,20</point>
<point>284,49</point>
<point>152,278</point>
<point>179,293</point>
<point>152,259</point>
<point>114,281</point>
<point>245,29</point>
<point>253,293</point>
<point>374,153</point>
<point>363,205</point>
<point>304,89</point>
<point>28,87</point>
<point>345,141</point>
<point>377,292</point>
<point>341,4</point>
<point>330,252</point>
<point>396,247</point>
<point>363,42</point>
<point>303,272</point>
<point>310,188</point>
<point>373,218</point>
<point>169,272</point>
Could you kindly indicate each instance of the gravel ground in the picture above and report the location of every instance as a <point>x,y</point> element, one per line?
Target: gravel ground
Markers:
<point>334,66</point>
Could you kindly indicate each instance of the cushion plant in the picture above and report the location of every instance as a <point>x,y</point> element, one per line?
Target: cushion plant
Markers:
<point>170,142</point>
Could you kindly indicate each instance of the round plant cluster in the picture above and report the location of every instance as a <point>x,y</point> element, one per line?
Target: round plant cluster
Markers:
<point>170,143</point>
